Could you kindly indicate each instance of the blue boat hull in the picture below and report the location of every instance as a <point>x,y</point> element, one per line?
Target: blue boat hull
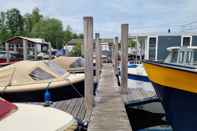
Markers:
<point>138,77</point>
<point>180,107</point>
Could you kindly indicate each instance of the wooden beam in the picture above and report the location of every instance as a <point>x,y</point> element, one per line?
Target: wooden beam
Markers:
<point>124,58</point>
<point>116,55</point>
<point>88,54</point>
<point>7,52</point>
<point>24,49</point>
<point>49,50</point>
<point>98,58</point>
<point>35,52</point>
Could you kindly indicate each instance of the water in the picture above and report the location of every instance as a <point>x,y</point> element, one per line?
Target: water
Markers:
<point>146,86</point>
<point>157,128</point>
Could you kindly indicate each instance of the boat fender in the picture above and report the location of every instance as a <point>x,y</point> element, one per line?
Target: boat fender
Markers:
<point>47,96</point>
<point>82,125</point>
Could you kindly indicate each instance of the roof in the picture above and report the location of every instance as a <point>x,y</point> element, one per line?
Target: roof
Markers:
<point>145,34</point>
<point>34,40</point>
<point>74,42</point>
<point>178,47</point>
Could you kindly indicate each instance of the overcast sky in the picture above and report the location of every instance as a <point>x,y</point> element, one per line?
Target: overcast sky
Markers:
<point>141,15</point>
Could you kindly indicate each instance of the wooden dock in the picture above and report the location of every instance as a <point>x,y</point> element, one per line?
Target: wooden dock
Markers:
<point>109,113</point>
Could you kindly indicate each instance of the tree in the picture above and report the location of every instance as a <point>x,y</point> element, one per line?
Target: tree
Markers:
<point>80,36</point>
<point>36,16</point>
<point>68,34</point>
<point>4,34</point>
<point>51,30</point>
<point>131,43</point>
<point>27,24</point>
<point>14,22</point>
<point>76,51</point>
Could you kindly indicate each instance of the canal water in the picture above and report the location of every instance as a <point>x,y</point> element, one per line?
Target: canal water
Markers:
<point>146,116</point>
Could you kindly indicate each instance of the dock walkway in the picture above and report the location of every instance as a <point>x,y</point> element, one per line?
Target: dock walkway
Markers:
<point>109,113</point>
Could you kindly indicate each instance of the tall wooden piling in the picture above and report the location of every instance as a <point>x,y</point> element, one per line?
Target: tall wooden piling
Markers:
<point>124,57</point>
<point>49,50</point>
<point>7,52</point>
<point>88,53</point>
<point>116,55</point>
<point>98,58</point>
<point>24,49</point>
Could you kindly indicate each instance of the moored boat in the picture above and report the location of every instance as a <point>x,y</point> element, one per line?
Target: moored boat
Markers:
<point>175,83</point>
<point>29,80</point>
<point>28,117</point>
<point>137,77</point>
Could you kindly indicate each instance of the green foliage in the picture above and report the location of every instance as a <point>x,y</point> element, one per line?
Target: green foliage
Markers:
<point>68,34</point>
<point>76,51</point>
<point>51,30</point>
<point>131,43</point>
<point>34,24</point>
<point>36,16</point>
<point>14,21</point>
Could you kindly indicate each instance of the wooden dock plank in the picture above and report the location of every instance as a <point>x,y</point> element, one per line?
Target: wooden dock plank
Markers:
<point>109,113</point>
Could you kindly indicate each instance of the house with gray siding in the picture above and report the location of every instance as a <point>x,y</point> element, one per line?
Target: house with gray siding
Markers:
<point>154,45</point>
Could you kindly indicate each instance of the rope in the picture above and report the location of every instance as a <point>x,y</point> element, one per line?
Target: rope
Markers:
<point>10,80</point>
<point>70,82</point>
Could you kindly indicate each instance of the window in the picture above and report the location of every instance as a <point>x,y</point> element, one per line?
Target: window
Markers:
<point>181,57</point>
<point>186,41</point>
<point>174,56</point>
<point>39,74</point>
<point>152,48</point>
<point>188,57</point>
<point>56,68</point>
<point>195,57</point>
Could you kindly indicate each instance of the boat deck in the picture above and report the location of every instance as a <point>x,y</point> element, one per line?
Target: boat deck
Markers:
<point>109,113</point>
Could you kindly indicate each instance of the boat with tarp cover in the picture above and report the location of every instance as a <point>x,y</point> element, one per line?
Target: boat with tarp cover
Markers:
<point>29,80</point>
<point>175,83</point>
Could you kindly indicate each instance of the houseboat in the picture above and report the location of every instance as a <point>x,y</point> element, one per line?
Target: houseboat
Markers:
<point>175,83</point>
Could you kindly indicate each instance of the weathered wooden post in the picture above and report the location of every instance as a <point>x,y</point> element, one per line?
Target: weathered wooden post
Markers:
<point>7,52</point>
<point>98,59</point>
<point>24,49</point>
<point>35,52</point>
<point>116,55</point>
<point>15,50</point>
<point>88,54</point>
<point>49,50</point>
<point>113,55</point>
<point>124,57</point>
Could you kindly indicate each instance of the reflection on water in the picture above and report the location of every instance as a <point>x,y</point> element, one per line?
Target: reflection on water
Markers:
<point>147,86</point>
<point>147,117</point>
<point>157,128</point>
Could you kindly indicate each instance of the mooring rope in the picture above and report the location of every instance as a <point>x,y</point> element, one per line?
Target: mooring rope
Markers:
<point>9,82</point>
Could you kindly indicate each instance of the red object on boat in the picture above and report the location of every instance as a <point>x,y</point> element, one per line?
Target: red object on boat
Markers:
<point>6,108</point>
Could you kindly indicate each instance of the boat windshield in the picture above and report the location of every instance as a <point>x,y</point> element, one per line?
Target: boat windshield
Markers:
<point>6,108</point>
<point>39,74</point>
<point>78,63</point>
<point>195,57</point>
<point>55,67</point>
<point>183,56</point>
